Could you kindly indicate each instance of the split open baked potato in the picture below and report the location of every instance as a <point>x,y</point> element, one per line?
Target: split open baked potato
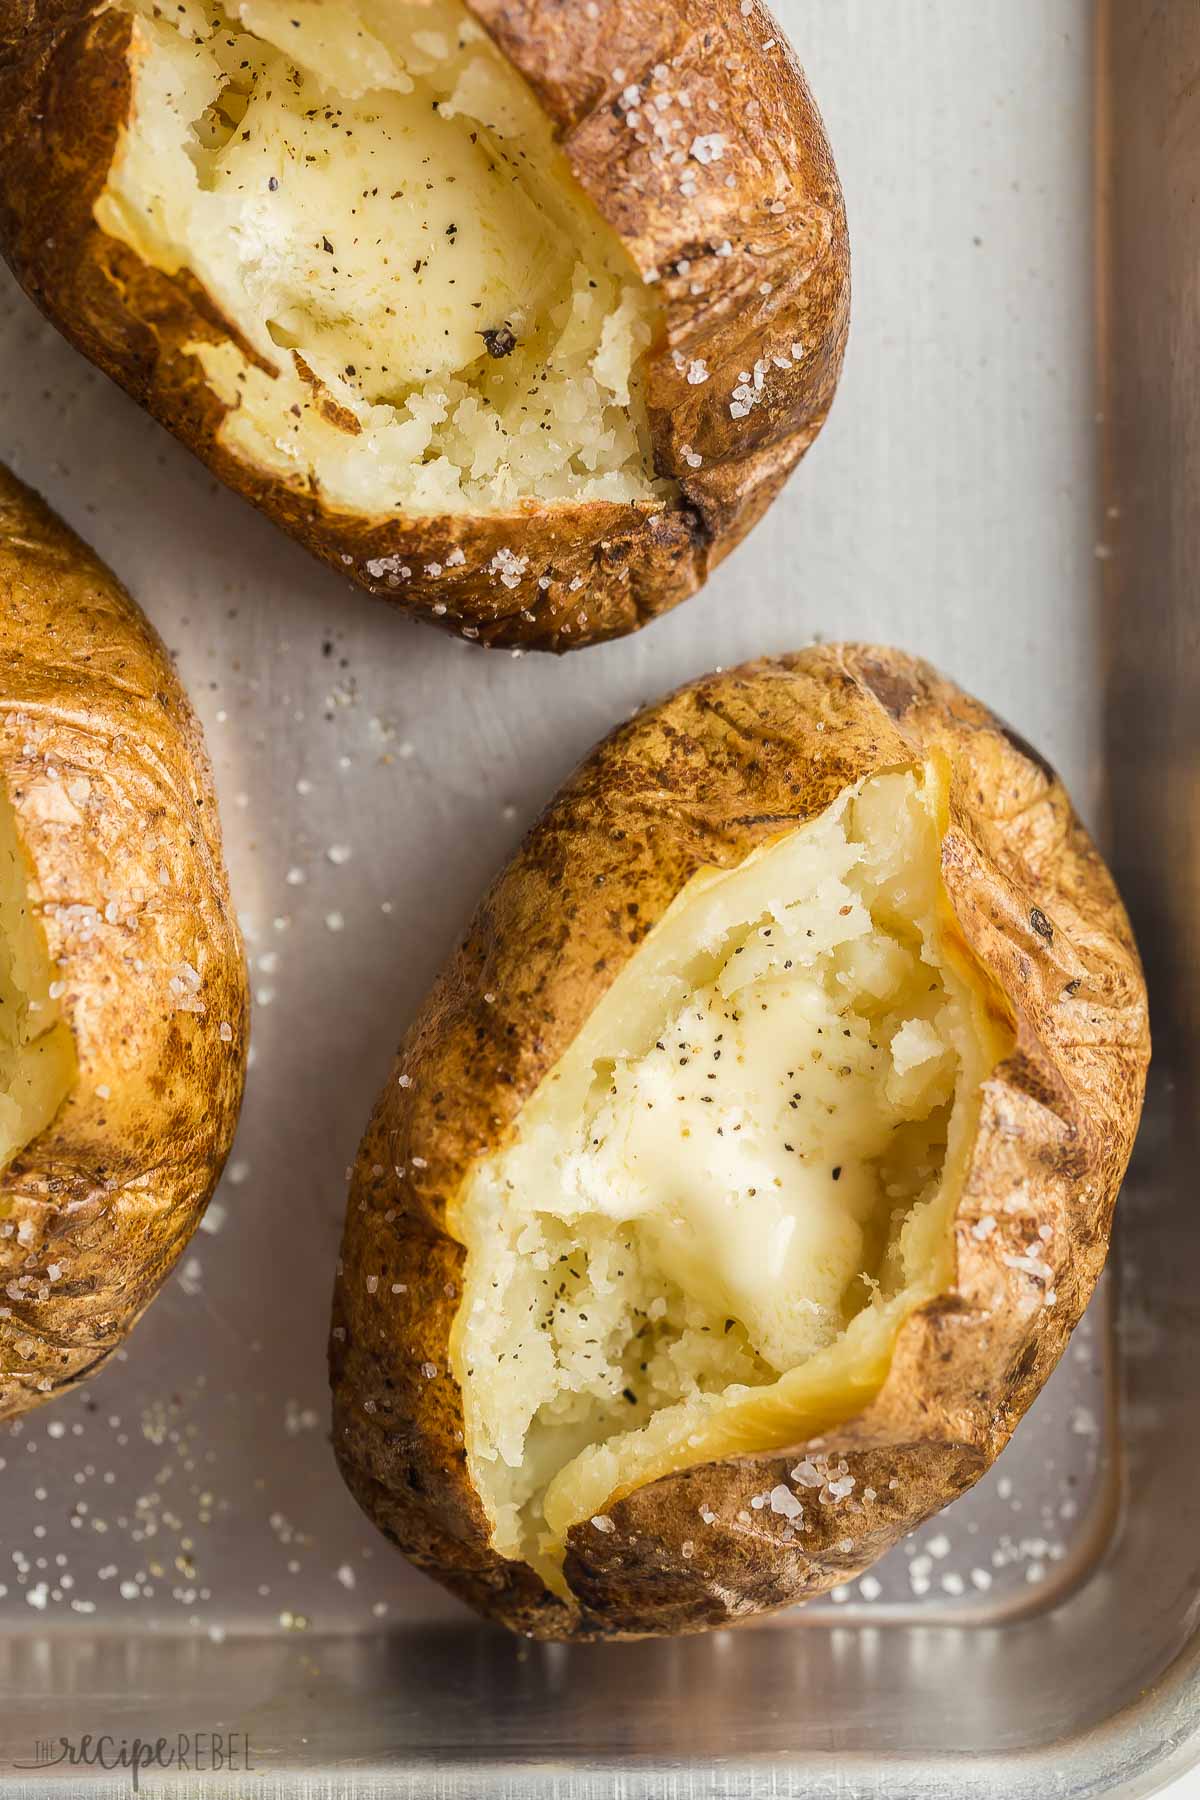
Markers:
<point>746,1170</point>
<point>516,312</point>
<point>123,1001</point>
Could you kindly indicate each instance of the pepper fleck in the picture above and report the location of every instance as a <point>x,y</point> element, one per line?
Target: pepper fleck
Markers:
<point>500,340</point>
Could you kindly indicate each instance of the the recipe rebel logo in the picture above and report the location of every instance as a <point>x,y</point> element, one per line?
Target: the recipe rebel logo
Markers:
<point>181,1753</point>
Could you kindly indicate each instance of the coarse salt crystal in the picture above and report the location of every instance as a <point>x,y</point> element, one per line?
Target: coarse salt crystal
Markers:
<point>709,148</point>
<point>1030,1264</point>
<point>509,566</point>
<point>379,566</point>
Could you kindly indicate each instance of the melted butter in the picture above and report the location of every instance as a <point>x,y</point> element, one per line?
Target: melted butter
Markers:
<point>747,1142</point>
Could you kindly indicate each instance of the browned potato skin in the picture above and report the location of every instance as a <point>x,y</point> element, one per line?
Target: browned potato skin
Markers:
<point>64,95</point>
<point>717,770</point>
<point>102,760</point>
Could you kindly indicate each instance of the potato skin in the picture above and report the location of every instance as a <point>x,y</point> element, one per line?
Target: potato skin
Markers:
<point>715,771</point>
<point>103,764</point>
<point>772,197</point>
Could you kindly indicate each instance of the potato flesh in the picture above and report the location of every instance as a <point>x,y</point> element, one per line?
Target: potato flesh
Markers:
<point>37,1053</point>
<point>720,1205</point>
<point>366,191</point>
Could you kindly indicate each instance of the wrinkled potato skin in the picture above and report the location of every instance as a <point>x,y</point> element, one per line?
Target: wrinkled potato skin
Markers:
<point>103,764</point>
<point>714,772</point>
<point>65,94</point>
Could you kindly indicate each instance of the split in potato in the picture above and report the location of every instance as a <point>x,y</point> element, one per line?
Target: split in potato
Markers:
<point>37,1051</point>
<point>745,1172</point>
<point>429,314</point>
<point>720,1204</point>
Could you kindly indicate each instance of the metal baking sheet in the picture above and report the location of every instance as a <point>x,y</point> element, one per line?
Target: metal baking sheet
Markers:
<point>178,1550</point>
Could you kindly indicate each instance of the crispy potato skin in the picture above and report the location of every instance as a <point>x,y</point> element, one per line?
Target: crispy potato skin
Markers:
<point>773,198</point>
<point>720,768</point>
<point>102,761</point>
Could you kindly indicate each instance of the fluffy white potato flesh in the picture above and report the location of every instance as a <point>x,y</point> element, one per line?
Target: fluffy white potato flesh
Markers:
<point>717,1209</point>
<point>37,1052</point>
<point>441,321</point>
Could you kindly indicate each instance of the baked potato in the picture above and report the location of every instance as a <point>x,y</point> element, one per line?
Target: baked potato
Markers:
<point>744,1174</point>
<point>516,312</point>
<point>123,1009</point>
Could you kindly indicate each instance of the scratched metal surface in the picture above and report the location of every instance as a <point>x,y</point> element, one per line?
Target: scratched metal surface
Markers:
<point>177,1548</point>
